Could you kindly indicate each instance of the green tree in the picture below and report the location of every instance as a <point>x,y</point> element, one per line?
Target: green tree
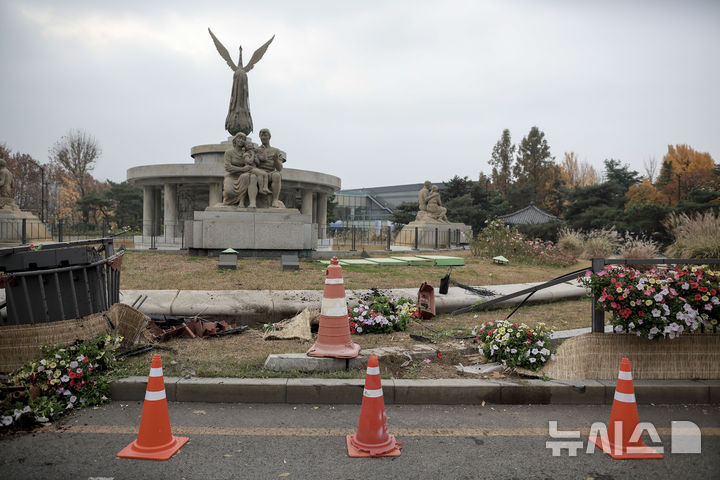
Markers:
<point>620,174</point>
<point>126,203</point>
<point>667,173</point>
<point>455,187</point>
<point>535,165</point>
<point>405,213</point>
<point>601,205</point>
<point>96,207</point>
<point>501,160</point>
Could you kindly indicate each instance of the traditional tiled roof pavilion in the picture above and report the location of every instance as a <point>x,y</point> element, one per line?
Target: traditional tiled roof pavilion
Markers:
<point>529,215</point>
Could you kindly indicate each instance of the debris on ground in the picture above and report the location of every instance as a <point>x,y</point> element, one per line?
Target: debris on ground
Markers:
<point>164,327</point>
<point>481,369</point>
<point>297,327</point>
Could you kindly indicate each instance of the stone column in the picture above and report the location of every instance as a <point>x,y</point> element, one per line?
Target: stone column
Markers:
<point>322,214</point>
<point>214,194</point>
<point>307,202</point>
<point>156,210</point>
<point>148,210</point>
<point>315,209</point>
<point>170,210</point>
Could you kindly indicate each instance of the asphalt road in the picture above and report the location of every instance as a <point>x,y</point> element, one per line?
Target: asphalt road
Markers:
<point>307,442</point>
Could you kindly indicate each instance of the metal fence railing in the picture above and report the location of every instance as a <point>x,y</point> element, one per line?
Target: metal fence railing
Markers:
<point>27,230</point>
<point>388,237</point>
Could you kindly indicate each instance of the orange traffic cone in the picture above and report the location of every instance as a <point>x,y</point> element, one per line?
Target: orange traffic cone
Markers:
<point>619,442</point>
<point>372,438</point>
<point>155,440</point>
<point>334,332</point>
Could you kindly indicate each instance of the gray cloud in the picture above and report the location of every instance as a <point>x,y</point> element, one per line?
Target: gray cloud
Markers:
<point>376,92</point>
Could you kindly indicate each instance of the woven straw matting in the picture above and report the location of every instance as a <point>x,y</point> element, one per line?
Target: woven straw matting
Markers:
<point>598,356</point>
<point>130,323</point>
<point>20,344</point>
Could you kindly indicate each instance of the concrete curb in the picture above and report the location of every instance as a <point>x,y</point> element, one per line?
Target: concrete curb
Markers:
<point>418,392</point>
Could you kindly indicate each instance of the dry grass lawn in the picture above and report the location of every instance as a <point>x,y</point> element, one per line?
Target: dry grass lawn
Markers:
<point>243,355</point>
<point>160,271</point>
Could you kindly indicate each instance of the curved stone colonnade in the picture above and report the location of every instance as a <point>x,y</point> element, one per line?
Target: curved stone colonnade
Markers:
<point>201,186</point>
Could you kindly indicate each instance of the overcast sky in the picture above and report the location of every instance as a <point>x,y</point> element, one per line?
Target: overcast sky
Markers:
<point>374,92</point>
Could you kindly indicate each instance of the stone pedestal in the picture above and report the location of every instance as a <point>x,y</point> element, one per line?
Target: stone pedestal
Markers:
<point>11,226</point>
<point>447,234</point>
<point>259,229</point>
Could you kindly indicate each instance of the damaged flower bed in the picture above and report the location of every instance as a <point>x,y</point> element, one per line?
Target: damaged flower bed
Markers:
<point>65,378</point>
<point>516,345</point>
<point>378,313</point>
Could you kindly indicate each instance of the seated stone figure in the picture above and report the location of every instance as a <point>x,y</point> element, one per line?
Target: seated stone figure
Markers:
<point>271,160</point>
<point>7,182</point>
<point>240,181</point>
<point>434,206</point>
<point>252,170</point>
<point>430,206</point>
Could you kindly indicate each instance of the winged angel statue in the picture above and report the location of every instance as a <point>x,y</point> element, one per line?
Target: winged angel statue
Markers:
<point>238,117</point>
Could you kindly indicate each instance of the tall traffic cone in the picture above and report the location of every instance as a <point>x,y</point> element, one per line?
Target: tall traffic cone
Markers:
<point>155,440</point>
<point>619,443</point>
<point>334,332</point>
<point>372,438</point>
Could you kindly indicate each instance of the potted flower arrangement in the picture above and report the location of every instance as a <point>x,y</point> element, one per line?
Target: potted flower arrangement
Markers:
<point>381,314</point>
<point>658,303</point>
<point>515,345</point>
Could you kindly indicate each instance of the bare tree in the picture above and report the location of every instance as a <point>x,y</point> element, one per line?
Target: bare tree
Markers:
<point>651,168</point>
<point>76,153</point>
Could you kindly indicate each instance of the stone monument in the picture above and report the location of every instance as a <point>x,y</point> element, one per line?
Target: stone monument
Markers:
<point>11,216</point>
<point>7,184</point>
<point>251,215</point>
<point>431,225</point>
<point>238,118</point>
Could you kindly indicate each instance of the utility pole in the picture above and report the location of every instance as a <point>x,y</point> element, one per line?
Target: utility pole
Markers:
<point>42,194</point>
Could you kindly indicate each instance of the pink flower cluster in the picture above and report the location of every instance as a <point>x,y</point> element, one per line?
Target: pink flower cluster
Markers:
<point>660,303</point>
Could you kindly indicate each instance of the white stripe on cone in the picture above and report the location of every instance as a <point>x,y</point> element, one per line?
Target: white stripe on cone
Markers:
<point>153,396</point>
<point>333,307</point>
<point>373,370</point>
<point>373,393</point>
<point>156,372</point>
<point>625,397</point>
<point>333,281</point>
<point>624,375</point>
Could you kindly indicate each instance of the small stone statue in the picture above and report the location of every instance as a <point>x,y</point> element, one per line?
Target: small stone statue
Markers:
<point>430,205</point>
<point>238,117</point>
<point>7,182</point>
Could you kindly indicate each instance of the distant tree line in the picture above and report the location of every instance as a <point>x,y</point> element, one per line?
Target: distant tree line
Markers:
<point>575,191</point>
<point>63,188</point>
